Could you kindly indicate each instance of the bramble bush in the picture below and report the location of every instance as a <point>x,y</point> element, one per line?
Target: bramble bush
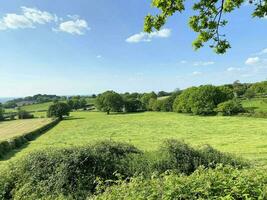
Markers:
<point>219,183</point>
<point>72,173</point>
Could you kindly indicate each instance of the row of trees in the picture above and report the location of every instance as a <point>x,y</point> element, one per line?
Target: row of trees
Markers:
<point>77,102</point>
<point>202,100</point>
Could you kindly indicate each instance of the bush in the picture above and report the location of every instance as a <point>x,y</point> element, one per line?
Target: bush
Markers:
<point>145,99</point>
<point>201,100</point>
<point>72,173</point>
<point>132,105</point>
<point>64,172</point>
<point>231,107</point>
<point>22,114</point>
<point>221,183</point>
<point>1,113</point>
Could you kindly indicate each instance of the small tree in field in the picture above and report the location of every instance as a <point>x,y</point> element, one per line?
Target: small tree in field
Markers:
<point>109,101</point>
<point>58,110</point>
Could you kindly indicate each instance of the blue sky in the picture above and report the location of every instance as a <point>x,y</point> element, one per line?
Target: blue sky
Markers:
<point>85,46</point>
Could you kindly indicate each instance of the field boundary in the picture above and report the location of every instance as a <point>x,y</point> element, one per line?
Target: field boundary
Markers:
<point>18,141</point>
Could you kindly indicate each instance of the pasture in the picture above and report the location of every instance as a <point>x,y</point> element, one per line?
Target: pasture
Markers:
<point>9,129</point>
<point>259,105</point>
<point>243,136</point>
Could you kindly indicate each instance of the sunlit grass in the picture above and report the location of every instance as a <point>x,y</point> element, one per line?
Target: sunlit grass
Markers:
<point>243,136</point>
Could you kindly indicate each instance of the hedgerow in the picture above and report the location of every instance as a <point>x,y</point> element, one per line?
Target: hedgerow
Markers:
<point>72,173</point>
<point>219,183</point>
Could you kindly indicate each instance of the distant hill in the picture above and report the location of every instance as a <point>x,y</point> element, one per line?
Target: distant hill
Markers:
<point>39,98</point>
<point>5,99</point>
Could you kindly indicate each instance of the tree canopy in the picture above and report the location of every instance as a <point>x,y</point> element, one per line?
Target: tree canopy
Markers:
<point>207,20</point>
<point>59,110</point>
<point>109,101</point>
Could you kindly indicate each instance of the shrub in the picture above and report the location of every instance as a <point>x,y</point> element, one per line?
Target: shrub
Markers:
<point>1,113</point>
<point>231,107</point>
<point>201,100</point>
<point>72,173</point>
<point>182,102</point>
<point>22,114</point>
<point>64,172</point>
<point>221,183</point>
<point>132,105</point>
<point>145,99</point>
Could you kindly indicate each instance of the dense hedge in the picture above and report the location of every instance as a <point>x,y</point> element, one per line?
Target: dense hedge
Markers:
<point>221,183</point>
<point>72,173</point>
<point>18,141</point>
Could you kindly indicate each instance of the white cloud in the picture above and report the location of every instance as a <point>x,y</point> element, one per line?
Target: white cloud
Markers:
<point>99,56</point>
<point>28,18</point>
<point>147,37</point>
<point>262,52</point>
<point>38,16</point>
<point>75,27</point>
<point>196,73</point>
<point>252,61</point>
<point>204,63</point>
<point>14,21</point>
<point>233,69</point>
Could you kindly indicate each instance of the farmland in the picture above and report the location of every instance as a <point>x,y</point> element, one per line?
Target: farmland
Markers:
<point>10,129</point>
<point>243,136</point>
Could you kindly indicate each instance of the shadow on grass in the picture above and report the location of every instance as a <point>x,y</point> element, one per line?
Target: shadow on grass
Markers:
<point>73,118</point>
<point>127,113</point>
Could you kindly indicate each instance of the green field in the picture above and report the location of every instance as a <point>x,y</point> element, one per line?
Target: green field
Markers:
<point>13,128</point>
<point>259,105</point>
<point>243,136</point>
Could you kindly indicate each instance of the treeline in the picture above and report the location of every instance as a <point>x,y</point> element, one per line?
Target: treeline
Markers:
<point>202,100</point>
<point>39,98</point>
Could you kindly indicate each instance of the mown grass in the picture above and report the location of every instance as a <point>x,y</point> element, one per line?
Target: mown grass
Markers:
<point>239,135</point>
<point>9,129</point>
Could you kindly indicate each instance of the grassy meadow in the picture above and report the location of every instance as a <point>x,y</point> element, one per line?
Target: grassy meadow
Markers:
<point>9,129</point>
<point>259,105</point>
<point>243,136</point>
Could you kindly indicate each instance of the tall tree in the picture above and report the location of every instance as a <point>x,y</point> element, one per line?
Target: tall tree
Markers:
<point>207,20</point>
<point>109,101</point>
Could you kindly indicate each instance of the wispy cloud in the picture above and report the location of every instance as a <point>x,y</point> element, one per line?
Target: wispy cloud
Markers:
<point>262,52</point>
<point>252,61</point>
<point>197,73</point>
<point>147,37</point>
<point>203,63</point>
<point>233,69</point>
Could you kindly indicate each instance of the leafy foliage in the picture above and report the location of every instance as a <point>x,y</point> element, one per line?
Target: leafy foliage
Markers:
<point>207,20</point>
<point>1,112</point>
<point>72,173</point>
<point>146,98</point>
<point>221,183</point>
<point>109,101</point>
<point>231,107</point>
<point>58,110</point>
